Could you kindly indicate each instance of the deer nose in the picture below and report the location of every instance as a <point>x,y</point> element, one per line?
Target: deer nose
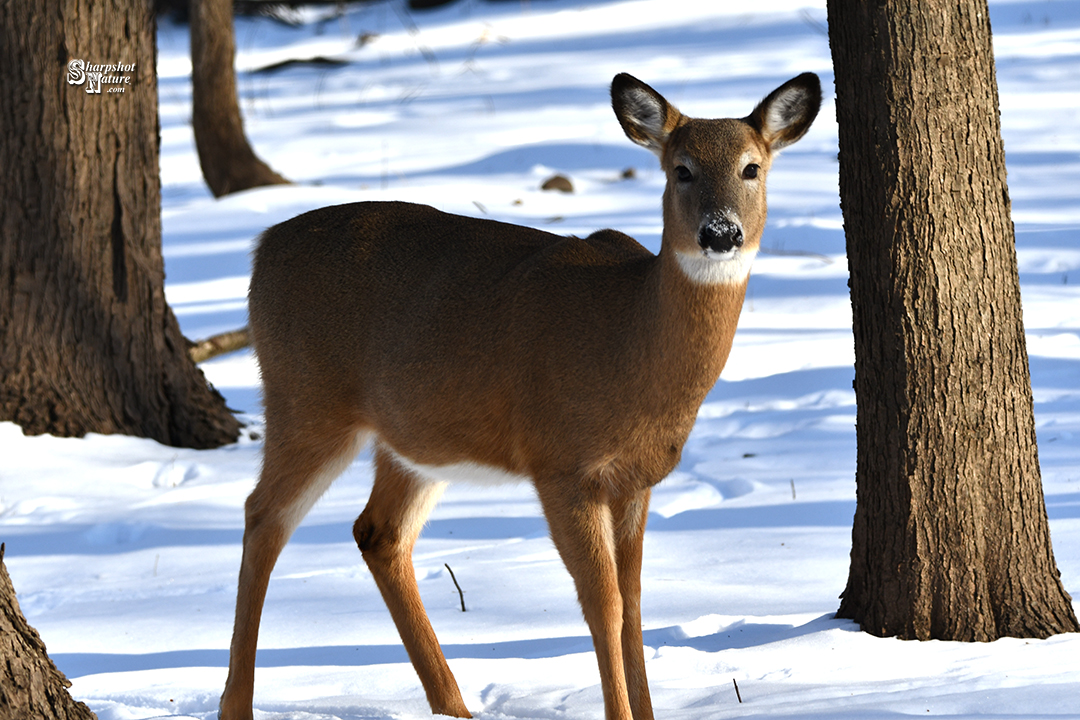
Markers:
<point>720,235</point>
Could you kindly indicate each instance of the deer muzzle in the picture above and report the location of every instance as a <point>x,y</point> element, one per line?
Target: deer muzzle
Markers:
<point>720,235</point>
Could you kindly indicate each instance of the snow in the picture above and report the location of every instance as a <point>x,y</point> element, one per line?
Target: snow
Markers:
<point>125,552</point>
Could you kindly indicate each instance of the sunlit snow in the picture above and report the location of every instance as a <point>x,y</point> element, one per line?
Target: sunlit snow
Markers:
<point>125,553</point>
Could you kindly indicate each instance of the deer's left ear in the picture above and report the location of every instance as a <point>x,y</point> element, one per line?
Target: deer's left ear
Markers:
<point>646,117</point>
<point>786,114</point>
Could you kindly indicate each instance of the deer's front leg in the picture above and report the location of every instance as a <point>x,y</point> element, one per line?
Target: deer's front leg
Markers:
<point>580,520</point>
<point>629,514</point>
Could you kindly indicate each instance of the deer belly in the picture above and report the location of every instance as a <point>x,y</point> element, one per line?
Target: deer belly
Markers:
<point>460,472</point>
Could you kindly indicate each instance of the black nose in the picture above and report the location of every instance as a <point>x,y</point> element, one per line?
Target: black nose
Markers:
<point>720,235</point>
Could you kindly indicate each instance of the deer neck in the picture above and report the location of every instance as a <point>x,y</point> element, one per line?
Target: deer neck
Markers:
<point>696,309</point>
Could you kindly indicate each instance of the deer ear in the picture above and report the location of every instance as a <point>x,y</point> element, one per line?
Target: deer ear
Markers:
<point>646,117</point>
<point>786,114</point>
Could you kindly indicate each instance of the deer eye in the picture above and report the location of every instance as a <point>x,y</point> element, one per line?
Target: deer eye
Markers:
<point>683,174</point>
<point>750,171</point>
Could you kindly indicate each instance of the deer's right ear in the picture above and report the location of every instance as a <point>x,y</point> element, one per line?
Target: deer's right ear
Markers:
<point>646,117</point>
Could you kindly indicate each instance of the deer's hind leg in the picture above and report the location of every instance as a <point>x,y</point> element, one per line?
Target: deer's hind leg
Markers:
<point>301,457</point>
<point>386,532</point>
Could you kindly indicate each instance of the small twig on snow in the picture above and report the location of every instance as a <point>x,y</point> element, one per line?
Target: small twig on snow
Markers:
<point>460,594</point>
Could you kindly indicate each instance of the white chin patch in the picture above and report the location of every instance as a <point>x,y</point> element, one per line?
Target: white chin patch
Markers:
<point>712,268</point>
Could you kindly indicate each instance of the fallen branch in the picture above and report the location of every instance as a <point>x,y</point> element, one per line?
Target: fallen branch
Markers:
<point>317,61</point>
<point>220,344</point>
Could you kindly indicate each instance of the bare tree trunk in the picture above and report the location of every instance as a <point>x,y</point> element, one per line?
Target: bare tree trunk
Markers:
<point>951,539</point>
<point>87,341</point>
<point>30,684</point>
<point>228,162</point>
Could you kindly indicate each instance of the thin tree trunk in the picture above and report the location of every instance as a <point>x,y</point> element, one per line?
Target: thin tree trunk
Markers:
<point>87,341</point>
<point>30,684</point>
<point>951,539</point>
<point>228,162</point>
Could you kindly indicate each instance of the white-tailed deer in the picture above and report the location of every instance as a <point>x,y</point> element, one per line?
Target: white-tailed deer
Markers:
<point>468,348</point>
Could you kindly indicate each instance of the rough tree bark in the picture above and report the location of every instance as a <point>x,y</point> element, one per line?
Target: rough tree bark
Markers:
<point>87,341</point>
<point>950,539</point>
<point>228,162</point>
<point>30,684</point>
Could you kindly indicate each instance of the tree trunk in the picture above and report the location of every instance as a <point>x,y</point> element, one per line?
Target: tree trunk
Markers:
<point>87,341</point>
<point>30,685</point>
<point>228,162</point>
<point>951,539</point>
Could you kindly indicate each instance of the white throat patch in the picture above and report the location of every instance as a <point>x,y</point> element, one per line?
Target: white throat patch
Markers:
<point>712,268</point>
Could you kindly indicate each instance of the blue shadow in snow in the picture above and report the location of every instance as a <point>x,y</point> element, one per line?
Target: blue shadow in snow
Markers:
<point>122,537</point>
<point>241,399</point>
<point>78,664</point>
<point>567,157</point>
<point>737,636</point>
<point>680,40</point>
<point>832,513</point>
<point>788,384</point>
<point>109,539</point>
<point>741,635</point>
<point>1064,506</point>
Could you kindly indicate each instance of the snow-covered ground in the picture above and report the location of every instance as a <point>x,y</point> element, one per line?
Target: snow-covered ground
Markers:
<point>125,552</point>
